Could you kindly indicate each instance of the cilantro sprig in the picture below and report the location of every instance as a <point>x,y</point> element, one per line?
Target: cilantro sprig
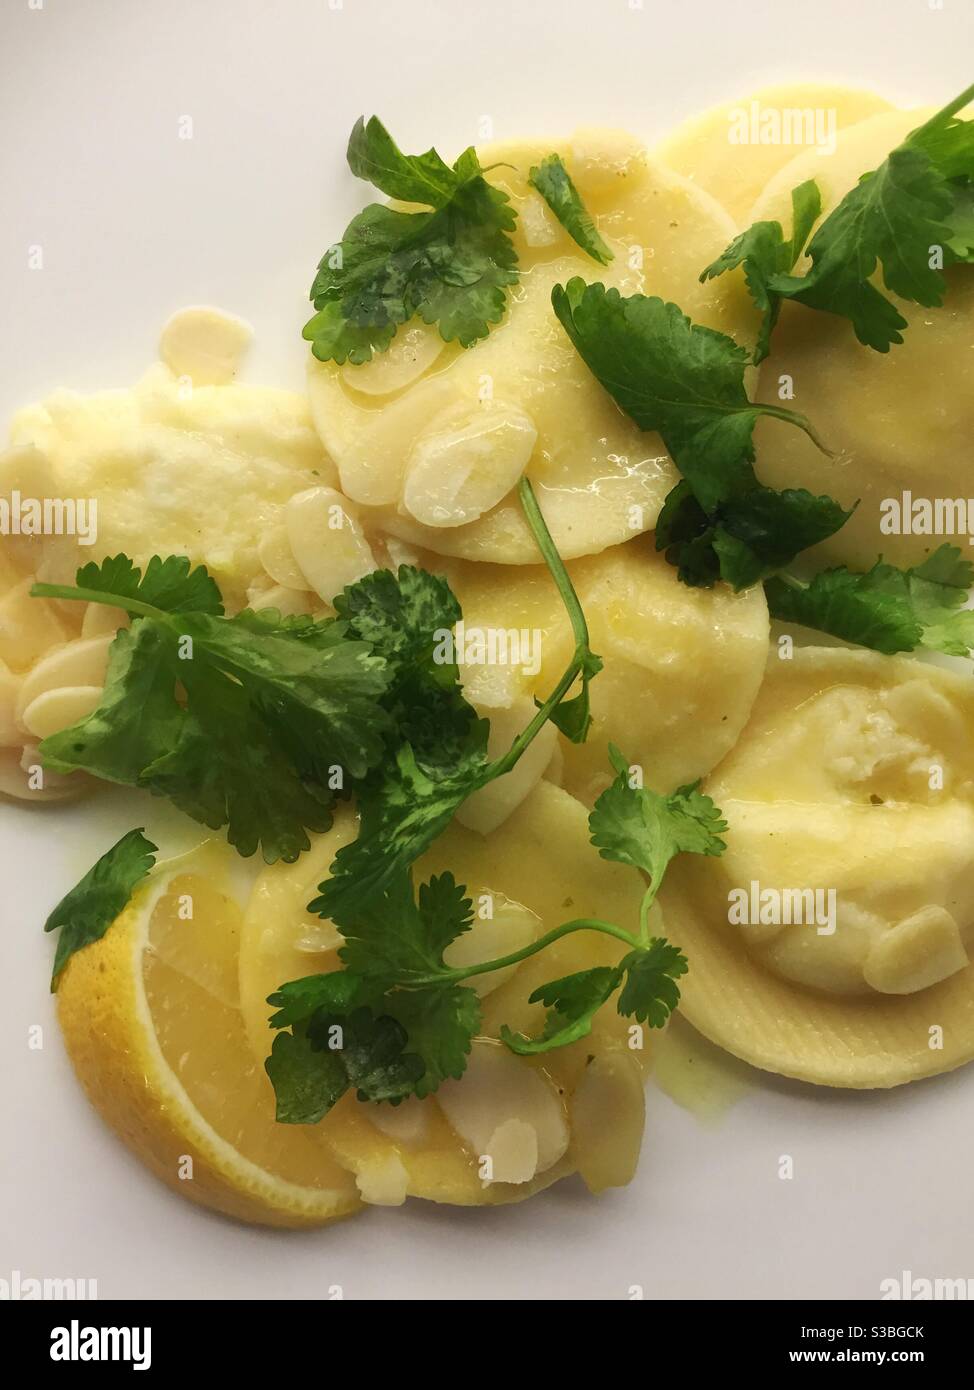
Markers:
<point>919,199</point>
<point>450,265</point>
<point>238,720</point>
<point>412,1017</point>
<point>686,382</point>
<point>554,183</point>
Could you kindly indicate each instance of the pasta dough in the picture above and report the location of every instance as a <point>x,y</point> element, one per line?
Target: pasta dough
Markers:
<point>681,666</point>
<point>855,775</point>
<point>735,170</point>
<point>599,479</point>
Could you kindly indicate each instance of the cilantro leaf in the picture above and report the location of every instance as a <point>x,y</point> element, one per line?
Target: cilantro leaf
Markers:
<point>440,1023</point>
<point>919,198</point>
<point>270,707</point>
<point>401,616</point>
<point>313,1066</point>
<point>452,266</point>
<point>650,993</point>
<point>86,913</point>
<point>169,584</point>
<point>678,378</point>
<point>886,608</point>
<point>686,382</point>
<point>554,183</point>
<point>633,825</point>
<point>395,938</point>
<point>138,718</point>
<point>745,538</point>
<point>573,1002</point>
<point>404,808</point>
<point>763,252</point>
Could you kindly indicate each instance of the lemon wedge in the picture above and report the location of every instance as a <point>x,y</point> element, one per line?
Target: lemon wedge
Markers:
<point>151,1020</point>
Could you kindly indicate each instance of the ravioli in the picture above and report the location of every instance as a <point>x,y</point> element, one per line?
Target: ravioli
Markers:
<point>735,170</point>
<point>681,666</point>
<point>599,479</point>
<point>536,871</point>
<point>895,420</point>
<point>855,778</point>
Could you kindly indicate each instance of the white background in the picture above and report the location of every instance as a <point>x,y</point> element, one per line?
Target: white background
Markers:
<point>134,223</point>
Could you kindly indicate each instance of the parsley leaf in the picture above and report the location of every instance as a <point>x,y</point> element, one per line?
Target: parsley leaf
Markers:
<point>554,183</point>
<point>452,266</point>
<point>633,825</point>
<point>686,382</point>
<point>919,198</point>
<point>86,913</point>
<point>888,609</point>
<point>763,252</point>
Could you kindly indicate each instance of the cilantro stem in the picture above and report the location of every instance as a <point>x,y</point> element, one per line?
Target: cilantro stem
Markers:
<point>946,112</point>
<point>794,417</point>
<point>558,572</point>
<point>515,958</point>
<point>69,591</point>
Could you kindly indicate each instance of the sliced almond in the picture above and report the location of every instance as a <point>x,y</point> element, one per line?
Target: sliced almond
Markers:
<point>608,1115</point>
<point>504,927</point>
<point>917,952</point>
<point>466,462</point>
<point>54,710</point>
<point>406,1123</point>
<point>82,662</point>
<point>204,344</point>
<point>327,541</point>
<point>372,465</point>
<point>19,766</point>
<point>513,1152</point>
<point>412,351</point>
<point>383,1182</point>
<point>275,554</point>
<point>497,1087</point>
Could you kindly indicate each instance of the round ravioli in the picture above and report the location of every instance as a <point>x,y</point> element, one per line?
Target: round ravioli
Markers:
<point>165,468</point>
<point>434,438</point>
<point>831,940</point>
<point>734,149</point>
<point>511,1125</point>
<point>892,419</point>
<point>681,666</point>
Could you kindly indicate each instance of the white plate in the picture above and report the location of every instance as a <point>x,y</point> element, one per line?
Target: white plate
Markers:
<point>135,222</point>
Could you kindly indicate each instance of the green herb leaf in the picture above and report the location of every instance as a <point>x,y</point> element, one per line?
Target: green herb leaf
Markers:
<point>276,711</point>
<point>85,914</point>
<point>888,609</point>
<point>633,825</point>
<point>452,266</point>
<point>919,198</point>
<point>313,1066</point>
<point>764,253</point>
<point>440,1022</point>
<point>554,183</point>
<point>686,382</point>
<point>651,993</point>
<point>573,1001</point>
